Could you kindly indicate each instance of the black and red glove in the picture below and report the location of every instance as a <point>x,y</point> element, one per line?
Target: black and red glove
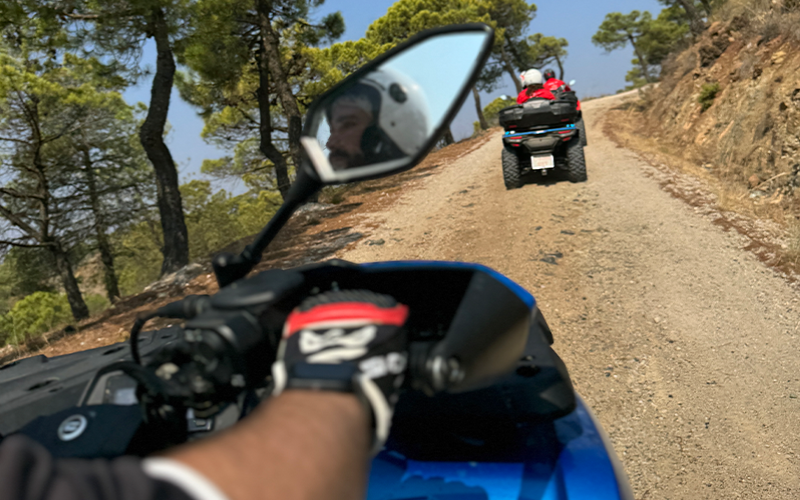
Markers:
<point>347,341</point>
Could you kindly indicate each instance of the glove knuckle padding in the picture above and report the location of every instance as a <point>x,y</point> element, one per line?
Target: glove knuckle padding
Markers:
<point>348,341</point>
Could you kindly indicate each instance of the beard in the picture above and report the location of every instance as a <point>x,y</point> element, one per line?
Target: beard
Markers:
<point>341,160</point>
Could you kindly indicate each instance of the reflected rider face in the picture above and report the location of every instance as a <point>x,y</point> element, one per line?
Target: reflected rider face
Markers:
<point>349,117</point>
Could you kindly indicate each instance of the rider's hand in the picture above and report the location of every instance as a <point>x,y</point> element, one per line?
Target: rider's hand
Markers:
<point>347,341</point>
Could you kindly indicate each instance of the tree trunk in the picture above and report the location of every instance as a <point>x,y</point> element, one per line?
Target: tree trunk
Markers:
<point>151,135</point>
<point>76,303</point>
<point>516,56</point>
<point>479,109</point>
<point>100,226</point>
<point>510,69</point>
<point>266,146</point>
<point>642,60</point>
<point>560,68</point>
<point>283,89</point>
<point>448,137</point>
<point>696,24</point>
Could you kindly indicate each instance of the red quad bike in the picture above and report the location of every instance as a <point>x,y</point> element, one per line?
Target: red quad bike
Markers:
<point>543,135</point>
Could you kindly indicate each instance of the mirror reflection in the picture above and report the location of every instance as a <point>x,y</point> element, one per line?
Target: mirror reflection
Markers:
<point>383,117</point>
<point>380,122</point>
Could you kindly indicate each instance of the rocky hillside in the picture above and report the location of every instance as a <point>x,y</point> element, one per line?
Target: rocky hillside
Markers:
<point>731,103</point>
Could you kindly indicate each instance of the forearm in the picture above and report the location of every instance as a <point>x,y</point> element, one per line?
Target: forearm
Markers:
<point>300,445</point>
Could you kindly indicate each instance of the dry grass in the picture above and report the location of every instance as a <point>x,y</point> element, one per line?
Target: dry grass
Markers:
<point>792,253</point>
<point>767,19</point>
<point>767,221</point>
<point>751,119</point>
<point>723,181</point>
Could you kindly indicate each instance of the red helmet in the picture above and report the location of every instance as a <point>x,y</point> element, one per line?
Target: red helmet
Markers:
<point>549,74</point>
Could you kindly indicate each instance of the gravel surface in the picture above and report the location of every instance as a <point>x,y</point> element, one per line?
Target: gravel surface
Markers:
<point>683,343</point>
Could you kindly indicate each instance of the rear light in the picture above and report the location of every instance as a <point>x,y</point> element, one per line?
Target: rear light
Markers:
<point>515,145</point>
<point>565,132</point>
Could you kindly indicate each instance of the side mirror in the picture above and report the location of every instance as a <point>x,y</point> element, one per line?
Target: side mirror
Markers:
<point>387,116</point>
<point>382,119</point>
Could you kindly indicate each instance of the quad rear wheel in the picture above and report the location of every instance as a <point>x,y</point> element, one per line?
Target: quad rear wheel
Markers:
<point>576,161</point>
<point>582,131</point>
<point>512,171</point>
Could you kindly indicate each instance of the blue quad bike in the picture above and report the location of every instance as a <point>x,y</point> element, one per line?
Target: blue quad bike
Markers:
<point>543,135</point>
<point>509,426</point>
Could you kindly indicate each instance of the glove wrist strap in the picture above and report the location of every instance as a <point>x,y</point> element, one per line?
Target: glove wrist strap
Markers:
<point>340,378</point>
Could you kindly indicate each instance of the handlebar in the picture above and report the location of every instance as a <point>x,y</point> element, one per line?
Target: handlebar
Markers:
<point>467,326</point>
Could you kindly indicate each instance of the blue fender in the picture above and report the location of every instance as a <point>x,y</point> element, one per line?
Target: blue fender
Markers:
<point>570,458</point>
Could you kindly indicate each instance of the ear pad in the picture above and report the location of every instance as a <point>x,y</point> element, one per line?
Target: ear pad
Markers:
<point>378,146</point>
<point>371,141</point>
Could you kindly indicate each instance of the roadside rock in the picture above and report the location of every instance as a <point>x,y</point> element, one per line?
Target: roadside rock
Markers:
<point>778,57</point>
<point>181,277</point>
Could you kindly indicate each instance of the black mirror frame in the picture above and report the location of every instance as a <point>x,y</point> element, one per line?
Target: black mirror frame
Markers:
<point>480,62</point>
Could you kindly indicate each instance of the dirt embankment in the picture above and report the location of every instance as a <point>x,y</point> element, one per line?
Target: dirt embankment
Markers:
<point>727,112</point>
<point>749,84</point>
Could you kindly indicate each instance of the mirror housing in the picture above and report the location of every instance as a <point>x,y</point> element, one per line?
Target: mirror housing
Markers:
<point>385,117</point>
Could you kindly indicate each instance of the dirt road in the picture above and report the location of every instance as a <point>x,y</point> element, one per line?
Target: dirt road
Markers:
<point>683,343</point>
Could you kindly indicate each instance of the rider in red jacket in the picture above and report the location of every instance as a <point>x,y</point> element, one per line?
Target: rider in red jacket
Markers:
<point>551,83</point>
<point>533,84</point>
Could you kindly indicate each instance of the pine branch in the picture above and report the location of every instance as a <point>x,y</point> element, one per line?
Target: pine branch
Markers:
<point>16,194</point>
<point>24,245</point>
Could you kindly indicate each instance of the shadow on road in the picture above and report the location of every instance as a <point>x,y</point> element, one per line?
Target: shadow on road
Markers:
<point>540,178</point>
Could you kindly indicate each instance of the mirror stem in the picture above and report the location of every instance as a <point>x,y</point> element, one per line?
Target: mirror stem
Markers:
<point>229,268</point>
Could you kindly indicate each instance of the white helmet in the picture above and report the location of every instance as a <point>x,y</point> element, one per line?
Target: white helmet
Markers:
<point>403,113</point>
<point>400,114</point>
<point>532,77</point>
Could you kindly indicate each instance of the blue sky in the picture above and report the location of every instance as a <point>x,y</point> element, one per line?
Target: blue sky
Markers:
<point>595,71</point>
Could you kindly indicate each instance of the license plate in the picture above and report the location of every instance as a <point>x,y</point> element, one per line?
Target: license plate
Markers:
<point>542,162</point>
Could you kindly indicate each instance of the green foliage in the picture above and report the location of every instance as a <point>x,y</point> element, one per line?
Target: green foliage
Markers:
<point>407,17</point>
<point>491,111</point>
<point>224,53</point>
<point>35,314</point>
<point>23,272</point>
<point>403,19</point>
<point>708,92</point>
<point>544,50</point>
<point>332,64</point>
<point>138,258</point>
<point>617,29</point>
<point>661,37</point>
<point>67,119</point>
<point>97,304</point>
<point>213,219</point>
<point>512,16</point>
<point>216,219</point>
<point>652,39</point>
<point>634,77</point>
<point>210,218</point>
<point>704,8</point>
